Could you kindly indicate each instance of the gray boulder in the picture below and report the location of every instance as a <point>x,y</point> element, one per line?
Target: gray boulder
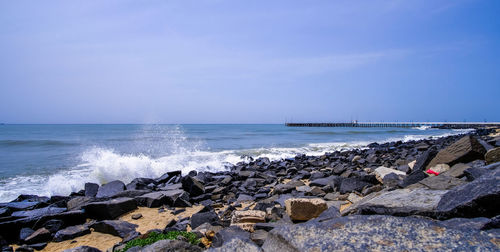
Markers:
<point>110,189</point>
<point>376,233</point>
<point>237,244</point>
<point>402,202</point>
<point>479,198</point>
<point>91,189</point>
<point>227,234</point>
<point>421,163</point>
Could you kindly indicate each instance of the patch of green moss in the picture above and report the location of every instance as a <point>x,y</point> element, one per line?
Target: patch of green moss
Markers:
<point>154,237</point>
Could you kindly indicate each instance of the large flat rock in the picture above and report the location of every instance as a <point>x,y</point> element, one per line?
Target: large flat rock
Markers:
<point>479,198</point>
<point>377,233</point>
<point>465,150</point>
<point>402,202</point>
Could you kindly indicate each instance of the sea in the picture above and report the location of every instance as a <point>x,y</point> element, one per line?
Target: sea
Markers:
<point>58,159</point>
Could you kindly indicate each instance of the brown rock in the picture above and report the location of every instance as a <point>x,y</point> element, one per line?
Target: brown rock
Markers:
<point>462,151</point>
<point>246,219</point>
<point>305,209</point>
<point>492,156</point>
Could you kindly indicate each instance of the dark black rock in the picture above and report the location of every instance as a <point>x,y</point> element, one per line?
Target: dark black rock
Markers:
<point>493,223</point>
<point>110,209</point>
<point>199,218</point>
<point>91,189</point>
<point>53,225</point>
<point>38,212</point>
<point>38,246</point>
<point>114,227</point>
<point>192,186</point>
<point>153,199</point>
<point>353,184</point>
<point>140,184</point>
<point>40,235</point>
<point>328,214</point>
<point>71,233</point>
<point>168,176</point>
<point>419,168</point>
<point>110,189</point>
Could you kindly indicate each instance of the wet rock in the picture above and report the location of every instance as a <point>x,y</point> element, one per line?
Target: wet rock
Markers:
<point>441,182</point>
<point>479,198</point>
<point>227,234</point>
<point>91,189</point>
<point>402,202</point>
<point>39,212</point>
<point>82,249</point>
<point>110,209</point>
<point>16,206</point>
<point>114,227</point>
<point>141,184</point>
<point>199,218</point>
<point>192,186</point>
<point>40,235</point>
<point>76,203</point>
<point>300,209</point>
<point>377,233</point>
<point>71,233</point>
<point>110,189</point>
<point>167,177</point>
<point>492,156</point>
<point>462,151</point>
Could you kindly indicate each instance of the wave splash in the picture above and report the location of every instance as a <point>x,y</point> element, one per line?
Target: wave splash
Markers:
<point>101,165</point>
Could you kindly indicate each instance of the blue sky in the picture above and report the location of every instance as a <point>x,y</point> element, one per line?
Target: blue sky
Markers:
<point>248,61</point>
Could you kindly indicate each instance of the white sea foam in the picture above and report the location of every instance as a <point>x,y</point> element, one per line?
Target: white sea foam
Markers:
<point>101,165</point>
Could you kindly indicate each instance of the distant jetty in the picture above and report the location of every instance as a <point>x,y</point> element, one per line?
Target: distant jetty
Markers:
<point>440,125</point>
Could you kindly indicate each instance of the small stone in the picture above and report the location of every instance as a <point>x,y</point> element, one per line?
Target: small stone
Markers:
<point>353,198</point>
<point>136,216</point>
<point>381,172</point>
<point>247,219</point>
<point>304,209</point>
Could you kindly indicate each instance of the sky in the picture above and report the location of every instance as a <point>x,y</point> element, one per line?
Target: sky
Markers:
<point>94,61</point>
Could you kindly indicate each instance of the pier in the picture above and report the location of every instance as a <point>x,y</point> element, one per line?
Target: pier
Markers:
<point>440,125</point>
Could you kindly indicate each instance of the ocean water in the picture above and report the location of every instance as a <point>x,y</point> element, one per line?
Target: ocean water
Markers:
<point>58,159</point>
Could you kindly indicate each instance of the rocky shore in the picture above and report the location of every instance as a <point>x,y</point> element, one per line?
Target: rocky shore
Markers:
<point>435,194</point>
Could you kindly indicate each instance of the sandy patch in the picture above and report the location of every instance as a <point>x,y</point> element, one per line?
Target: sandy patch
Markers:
<point>94,239</point>
<point>151,219</point>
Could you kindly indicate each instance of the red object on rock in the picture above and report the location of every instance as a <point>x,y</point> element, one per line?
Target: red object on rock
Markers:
<point>432,172</point>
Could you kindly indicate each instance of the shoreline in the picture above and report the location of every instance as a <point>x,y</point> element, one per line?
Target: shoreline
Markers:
<point>261,202</point>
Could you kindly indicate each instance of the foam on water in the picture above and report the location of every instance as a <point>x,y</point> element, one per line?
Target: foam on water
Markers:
<point>101,165</point>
